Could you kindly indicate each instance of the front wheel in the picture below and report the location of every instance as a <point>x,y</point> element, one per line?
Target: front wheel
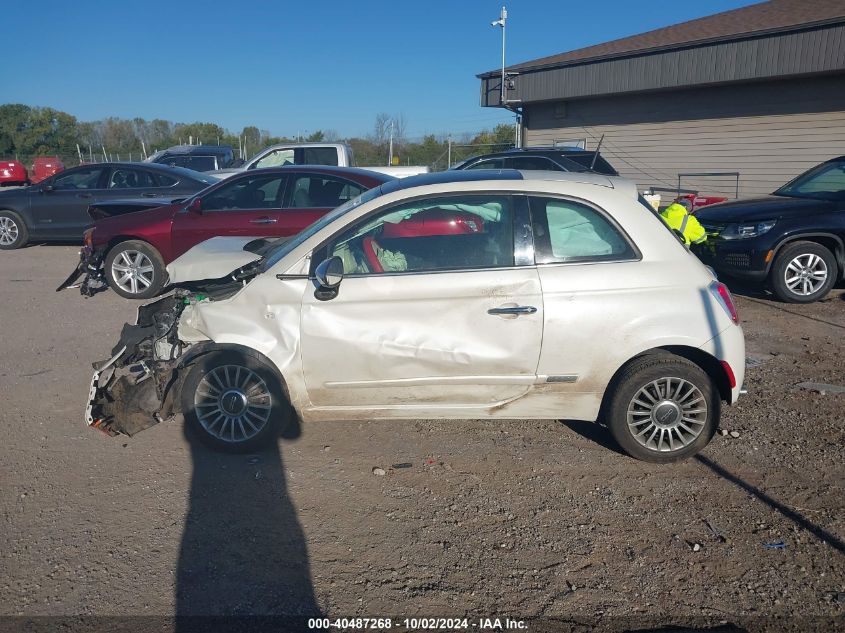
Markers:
<point>135,270</point>
<point>13,231</point>
<point>663,408</point>
<point>803,272</point>
<point>233,402</point>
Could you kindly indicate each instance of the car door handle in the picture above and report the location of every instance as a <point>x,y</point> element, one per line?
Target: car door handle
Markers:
<point>84,195</point>
<point>515,310</point>
<point>263,221</point>
<point>149,194</point>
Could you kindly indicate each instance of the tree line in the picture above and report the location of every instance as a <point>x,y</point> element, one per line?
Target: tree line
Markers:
<point>27,131</point>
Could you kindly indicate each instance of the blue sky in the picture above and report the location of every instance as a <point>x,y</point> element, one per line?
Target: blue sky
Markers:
<point>291,67</point>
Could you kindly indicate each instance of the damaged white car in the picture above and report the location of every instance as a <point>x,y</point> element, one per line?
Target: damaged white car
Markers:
<point>454,295</point>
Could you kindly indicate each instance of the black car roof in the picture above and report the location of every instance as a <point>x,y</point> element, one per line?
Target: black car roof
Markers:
<point>452,175</point>
<point>197,149</point>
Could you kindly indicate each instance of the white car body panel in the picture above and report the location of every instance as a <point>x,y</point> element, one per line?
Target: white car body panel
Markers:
<point>211,259</point>
<point>420,345</point>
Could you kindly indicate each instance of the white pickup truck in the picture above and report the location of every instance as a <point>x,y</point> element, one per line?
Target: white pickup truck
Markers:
<point>339,154</point>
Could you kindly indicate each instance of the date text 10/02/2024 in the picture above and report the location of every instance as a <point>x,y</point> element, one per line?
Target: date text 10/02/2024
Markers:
<point>382,624</point>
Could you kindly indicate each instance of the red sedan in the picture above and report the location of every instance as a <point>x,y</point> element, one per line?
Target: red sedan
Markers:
<point>129,252</point>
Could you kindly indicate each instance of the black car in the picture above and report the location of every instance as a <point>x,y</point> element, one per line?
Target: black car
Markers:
<point>56,209</point>
<point>792,240</point>
<point>542,158</point>
<point>197,157</point>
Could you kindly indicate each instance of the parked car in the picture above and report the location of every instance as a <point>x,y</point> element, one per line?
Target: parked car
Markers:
<point>129,252</point>
<point>335,154</point>
<point>792,240</point>
<point>451,295</point>
<point>56,208</point>
<point>13,174</point>
<point>541,158</point>
<point>45,166</point>
<point>692,202</point>
<point>205,158</point>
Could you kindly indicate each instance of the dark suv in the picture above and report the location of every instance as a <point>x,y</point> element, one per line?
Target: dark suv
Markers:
<point>792,240</point>
<point>196,157</point>
<point>541,158</point>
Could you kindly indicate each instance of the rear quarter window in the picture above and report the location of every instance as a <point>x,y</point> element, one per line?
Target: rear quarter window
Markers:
<point>568,231</point>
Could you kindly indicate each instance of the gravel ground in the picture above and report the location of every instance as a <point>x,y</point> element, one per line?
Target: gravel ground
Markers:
<point>541,520</point>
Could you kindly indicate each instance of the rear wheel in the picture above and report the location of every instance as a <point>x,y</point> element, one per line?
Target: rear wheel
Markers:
<point>13,231</point>
<point>803,272</point>
<point>135,270</point>
<point>233,402</point>
<point>663,408</point>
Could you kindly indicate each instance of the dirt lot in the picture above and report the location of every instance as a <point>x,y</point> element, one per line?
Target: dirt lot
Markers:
<point>541,520</point>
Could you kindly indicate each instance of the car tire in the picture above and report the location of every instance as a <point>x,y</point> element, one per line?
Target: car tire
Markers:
<point>233,402</point>
<point>13,231</point>
<point>803,272</point>
<point>662,408</point>
<point>135,270</point>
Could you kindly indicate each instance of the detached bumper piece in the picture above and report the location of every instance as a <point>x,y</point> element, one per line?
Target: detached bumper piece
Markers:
<point>123,401</point>
<point>90,265</point>
<point>129,392</point>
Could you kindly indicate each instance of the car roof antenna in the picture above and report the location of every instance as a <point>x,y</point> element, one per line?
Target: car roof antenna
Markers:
<point>596,153</point>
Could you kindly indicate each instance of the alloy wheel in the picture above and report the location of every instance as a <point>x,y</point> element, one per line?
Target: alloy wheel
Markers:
<point>132,271</point>
<point>667,414</point>
<point>232,403</point>
<point>9,231</point>
<point>805,274</point>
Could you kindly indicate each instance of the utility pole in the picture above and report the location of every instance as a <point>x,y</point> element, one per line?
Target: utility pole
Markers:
<point>390,151</point>
<point>502,21</point>
<point>449,154</point>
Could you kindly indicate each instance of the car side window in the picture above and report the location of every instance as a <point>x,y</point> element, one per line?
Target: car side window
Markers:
<point>531,163</point>
<point>87,178</point>
<point>276,158</point>
<point>257,192</point>
<point>435,234</point>
<point>319,156</point>
<point>166,181</point>
<point>197,163</point>
<point>308,191</point>
<point>567,231</point>
<point>492,163</point>
<point>123,178</point>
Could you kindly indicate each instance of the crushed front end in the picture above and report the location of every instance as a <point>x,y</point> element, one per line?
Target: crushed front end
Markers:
<point>133,390</point>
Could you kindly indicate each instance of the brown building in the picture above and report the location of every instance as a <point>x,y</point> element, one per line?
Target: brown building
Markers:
<point>758,91</point>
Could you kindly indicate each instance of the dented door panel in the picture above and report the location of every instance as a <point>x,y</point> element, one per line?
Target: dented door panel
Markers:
<point>422,339</point>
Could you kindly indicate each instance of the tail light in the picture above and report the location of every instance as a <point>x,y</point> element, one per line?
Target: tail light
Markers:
<point>723,296</point>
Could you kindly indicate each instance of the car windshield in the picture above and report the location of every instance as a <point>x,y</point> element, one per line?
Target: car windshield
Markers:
<point>825,181</point>
<point>286,245</point>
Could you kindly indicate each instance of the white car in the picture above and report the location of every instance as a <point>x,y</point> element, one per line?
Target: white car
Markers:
<point>462,294</point>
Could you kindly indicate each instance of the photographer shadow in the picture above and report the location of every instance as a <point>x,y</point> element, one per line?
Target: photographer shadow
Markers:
<point>243,557</point>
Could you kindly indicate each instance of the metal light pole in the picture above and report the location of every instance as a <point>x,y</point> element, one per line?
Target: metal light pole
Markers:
<point>503,18</point>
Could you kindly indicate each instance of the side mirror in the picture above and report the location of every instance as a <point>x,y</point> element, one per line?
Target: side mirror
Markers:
<point>329,273</point>
<point>195,206</point>
<point>48,188</point>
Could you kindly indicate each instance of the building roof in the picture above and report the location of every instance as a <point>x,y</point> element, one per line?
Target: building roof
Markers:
<point>754,20</point>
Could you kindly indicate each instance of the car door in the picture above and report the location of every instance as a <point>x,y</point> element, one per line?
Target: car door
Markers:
<point>247,205</point>
<point>130,182</point>
<point>308,197</point>
<point>432,310</point>
<point>59,205</point>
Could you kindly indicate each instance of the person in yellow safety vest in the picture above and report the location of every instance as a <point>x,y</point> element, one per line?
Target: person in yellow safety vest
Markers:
<point>678,218</point>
